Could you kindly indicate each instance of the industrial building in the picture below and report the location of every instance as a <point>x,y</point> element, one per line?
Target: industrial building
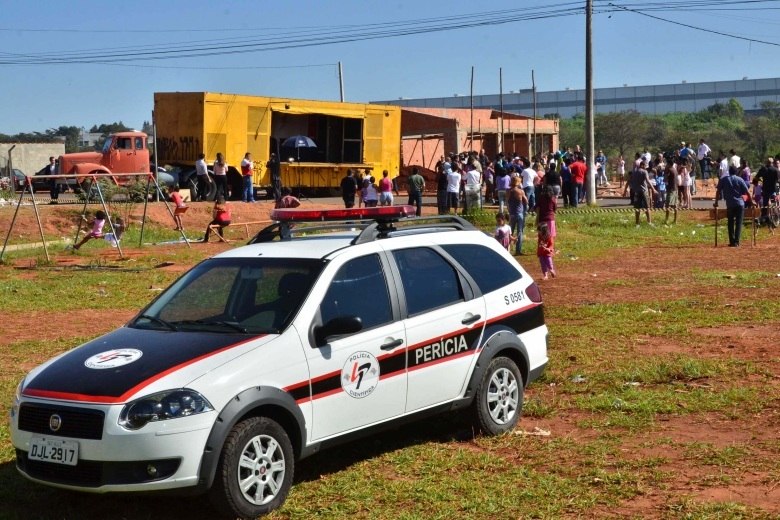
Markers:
<point>650,99</point>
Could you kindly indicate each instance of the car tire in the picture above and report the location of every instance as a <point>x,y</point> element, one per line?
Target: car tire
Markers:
<point>498,402</point>
<point>255,469</point>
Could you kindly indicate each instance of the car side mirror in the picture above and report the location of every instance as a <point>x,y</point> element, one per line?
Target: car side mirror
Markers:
<point>337,327</point>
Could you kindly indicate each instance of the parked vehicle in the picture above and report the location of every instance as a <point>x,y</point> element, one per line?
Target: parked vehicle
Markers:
<point>265,354</point>
<point>316,141</point>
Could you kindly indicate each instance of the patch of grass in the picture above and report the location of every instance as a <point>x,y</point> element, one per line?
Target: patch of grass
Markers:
<point>590,235</point>
<point>621,283</point>
<point>538,408</point>
<point>707,454</point>
<point>81,289</point>
<point>687,508</point>
<point>735,279</point>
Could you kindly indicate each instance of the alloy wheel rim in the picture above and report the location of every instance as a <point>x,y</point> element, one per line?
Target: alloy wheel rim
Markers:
<point>502,396</point>
<point>261,469</point>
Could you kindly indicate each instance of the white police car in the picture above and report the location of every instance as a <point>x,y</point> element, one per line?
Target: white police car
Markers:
<point>267,353</point>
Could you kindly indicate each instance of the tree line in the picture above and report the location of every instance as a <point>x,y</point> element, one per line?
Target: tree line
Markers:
<point>724,126</point>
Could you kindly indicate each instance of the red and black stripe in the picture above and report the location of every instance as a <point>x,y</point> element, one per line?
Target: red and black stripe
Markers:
<point>395,363</point>
<point>164,352</point>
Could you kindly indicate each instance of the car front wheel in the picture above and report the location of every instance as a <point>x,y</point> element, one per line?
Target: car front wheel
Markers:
<point>255,469</point>
<point>499,399</point>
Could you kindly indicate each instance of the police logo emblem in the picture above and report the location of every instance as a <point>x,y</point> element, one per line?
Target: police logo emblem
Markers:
<point>113,358</point>
<point>360,375</point>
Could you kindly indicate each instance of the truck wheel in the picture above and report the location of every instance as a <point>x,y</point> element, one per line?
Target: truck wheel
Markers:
<point>190,182</point>
<point>498,402</point>
<point>255,469</point>
<point>235,183</point>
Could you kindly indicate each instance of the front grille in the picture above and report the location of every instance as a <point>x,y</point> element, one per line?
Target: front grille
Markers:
<point>89,473</point>
<point>77,423</point>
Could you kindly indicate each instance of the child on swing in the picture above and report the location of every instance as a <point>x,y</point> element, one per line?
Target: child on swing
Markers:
<point>97,228</point>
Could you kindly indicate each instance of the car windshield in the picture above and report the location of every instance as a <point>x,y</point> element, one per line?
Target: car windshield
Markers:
<point>234,296</point>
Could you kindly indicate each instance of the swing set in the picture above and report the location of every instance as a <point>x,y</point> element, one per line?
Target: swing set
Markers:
<point>91,185</point>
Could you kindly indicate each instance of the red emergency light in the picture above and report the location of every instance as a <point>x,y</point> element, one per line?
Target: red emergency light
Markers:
<point>318,215</point>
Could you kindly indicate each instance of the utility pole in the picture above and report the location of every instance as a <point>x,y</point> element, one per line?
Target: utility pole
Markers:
<point>533,92</point>
<point>341,82</point>
<point>501,107</point>
<point>589,131</point>
<point>471,125</point>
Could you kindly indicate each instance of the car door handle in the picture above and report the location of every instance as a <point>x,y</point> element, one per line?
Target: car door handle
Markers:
<point>472,319</point>
<point>392,344</point>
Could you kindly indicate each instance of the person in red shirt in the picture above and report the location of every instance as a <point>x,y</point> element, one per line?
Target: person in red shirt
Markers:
<point>221,217</point>
<point>287,200</point>
<point>247,169</point>
<point>578,172</point>
<point>180,208</point>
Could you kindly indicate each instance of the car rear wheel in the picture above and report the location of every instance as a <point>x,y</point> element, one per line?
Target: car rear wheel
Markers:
<point>255,469</point>
<point>499,399</point>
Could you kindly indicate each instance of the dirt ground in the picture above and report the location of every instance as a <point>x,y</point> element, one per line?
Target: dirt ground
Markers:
<point>606,280</point>
<point>593,282</point>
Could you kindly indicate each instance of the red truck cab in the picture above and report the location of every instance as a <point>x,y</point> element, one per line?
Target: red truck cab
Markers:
<point>123,152</point>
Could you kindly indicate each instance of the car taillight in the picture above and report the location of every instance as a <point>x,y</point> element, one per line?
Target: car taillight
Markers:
<point>533,293</point>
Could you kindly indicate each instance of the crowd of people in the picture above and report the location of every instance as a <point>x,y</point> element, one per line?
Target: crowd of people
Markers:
<point>520,186</point>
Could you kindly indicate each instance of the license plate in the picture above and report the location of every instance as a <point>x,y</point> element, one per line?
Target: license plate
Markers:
<point>56,451</point>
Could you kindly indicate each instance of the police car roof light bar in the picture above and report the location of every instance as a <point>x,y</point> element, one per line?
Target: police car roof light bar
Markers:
<point>379,213</point>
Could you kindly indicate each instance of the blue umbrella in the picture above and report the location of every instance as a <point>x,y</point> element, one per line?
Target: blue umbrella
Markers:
<point>298,142</point>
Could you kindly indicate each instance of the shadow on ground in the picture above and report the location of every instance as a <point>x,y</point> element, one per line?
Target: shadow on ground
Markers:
<point>24,500</point>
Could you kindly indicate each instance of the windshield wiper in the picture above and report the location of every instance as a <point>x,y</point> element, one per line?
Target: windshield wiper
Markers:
<point>229,324</point>
<point>232,324</point>
<point>160,321</point>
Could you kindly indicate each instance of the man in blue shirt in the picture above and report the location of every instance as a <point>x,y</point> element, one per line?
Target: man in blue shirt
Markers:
<point>601,169</point>
<point>732,188</point>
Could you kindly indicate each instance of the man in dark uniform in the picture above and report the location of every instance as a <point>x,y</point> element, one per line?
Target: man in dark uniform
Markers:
<point>768,176</point>
<point>348,189</point>
<point>274,167</point>
<point>54,184</point>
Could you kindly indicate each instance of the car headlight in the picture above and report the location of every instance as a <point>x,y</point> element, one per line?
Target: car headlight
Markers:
<point>170,404</point>
<point>17,397</point>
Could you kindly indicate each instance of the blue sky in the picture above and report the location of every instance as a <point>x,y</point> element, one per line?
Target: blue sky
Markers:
<point>629,48</point>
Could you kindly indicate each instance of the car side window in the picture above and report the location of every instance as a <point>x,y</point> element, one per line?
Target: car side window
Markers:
<point>489,269</point>
<point>429,281</point>
<point>359,289</point>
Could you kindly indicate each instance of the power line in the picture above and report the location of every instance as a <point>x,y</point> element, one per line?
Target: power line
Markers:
<point>319,35</point>
<point>689,26</point>
<point>305,38</point>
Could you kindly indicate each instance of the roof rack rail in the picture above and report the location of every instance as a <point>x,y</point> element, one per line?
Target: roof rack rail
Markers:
<point>373,223</point>
<point>379,230</point>
<point>286,230</point>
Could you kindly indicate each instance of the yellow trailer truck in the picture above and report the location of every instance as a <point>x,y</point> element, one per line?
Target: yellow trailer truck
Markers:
<point>341,136</point>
